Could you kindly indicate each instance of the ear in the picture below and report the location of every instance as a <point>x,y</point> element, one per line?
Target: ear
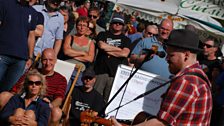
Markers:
<point>215,49</point>
<point>187,55</point>
<point>94,80</point>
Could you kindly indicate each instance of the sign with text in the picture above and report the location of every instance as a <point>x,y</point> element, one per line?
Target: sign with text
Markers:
<point>213,8</point>
<point>140,83</point>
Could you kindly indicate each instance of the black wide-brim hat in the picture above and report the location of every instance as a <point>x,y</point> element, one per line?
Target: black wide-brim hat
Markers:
<point>184,39</point>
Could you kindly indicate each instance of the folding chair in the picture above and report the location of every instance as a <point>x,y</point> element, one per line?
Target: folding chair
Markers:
<point>64,68</point>
<point>35,62</point>
<point>67,104</point>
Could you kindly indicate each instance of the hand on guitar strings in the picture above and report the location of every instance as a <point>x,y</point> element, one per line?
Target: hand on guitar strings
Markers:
<point>115,122</point>
<point>87,117</point>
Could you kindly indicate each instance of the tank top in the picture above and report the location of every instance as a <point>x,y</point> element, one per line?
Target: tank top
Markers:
<point>85,48</point>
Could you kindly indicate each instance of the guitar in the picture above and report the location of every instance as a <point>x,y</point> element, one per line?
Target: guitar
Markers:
<point>91,116</point>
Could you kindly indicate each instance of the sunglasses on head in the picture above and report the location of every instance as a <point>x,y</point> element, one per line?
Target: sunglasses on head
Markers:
<point>207,45</point>
<point>94,16</point>
<point>37,83</point>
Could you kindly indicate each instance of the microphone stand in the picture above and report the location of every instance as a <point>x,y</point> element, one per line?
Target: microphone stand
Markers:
<point>144,94</point>
<point>129,78</point>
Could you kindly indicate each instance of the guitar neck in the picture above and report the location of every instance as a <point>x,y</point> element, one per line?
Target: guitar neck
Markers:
<point>90,116</point>
<point>102,121</point>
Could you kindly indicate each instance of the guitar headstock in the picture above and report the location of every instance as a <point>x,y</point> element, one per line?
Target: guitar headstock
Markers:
<point>88,115</point>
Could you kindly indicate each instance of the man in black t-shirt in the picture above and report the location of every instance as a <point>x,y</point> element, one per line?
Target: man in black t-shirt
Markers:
<point>211,65</point>
<point>85,97</point>
<point>113,50</point>
<point>209,60</point>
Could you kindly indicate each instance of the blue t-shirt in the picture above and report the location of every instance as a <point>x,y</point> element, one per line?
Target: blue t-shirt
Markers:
<point>155,65</point>
<point>135,36</point>
<point>16,22</point>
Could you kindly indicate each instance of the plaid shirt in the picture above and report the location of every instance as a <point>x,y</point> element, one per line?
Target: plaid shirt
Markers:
<point>188,100</point>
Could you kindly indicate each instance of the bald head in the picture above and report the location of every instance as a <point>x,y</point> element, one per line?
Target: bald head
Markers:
<point>166,26</point>
<point>49,51</point>
<point>167,22</point>
<point>48,61</point>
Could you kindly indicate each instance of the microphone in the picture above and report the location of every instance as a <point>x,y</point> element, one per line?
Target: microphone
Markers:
<point>161,54</point>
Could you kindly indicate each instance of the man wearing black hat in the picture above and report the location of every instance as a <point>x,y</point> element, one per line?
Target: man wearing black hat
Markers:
<point>188,101</point>
<point>85,97</point>
<point>113,50</point>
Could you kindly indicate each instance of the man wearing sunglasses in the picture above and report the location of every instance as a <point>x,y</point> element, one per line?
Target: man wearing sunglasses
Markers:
<point>148,31</point>
<point>209,59</point>
<point>53,27</point>
<point>113,48</point>
<point>155,65</point>
<point>94,15</point>
<point>85,97</point>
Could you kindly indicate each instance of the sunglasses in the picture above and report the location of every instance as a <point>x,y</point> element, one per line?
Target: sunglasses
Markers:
<point>118,23</point>
<point>207,45</point>
<point>87,78</point>
<point>92,29</point>
<point>37,83</point>
<point>151,34</point>
<point>94,16</point>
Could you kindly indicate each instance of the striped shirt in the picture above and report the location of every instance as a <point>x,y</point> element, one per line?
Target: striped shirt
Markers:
<point>56,86</point>
<point>188,100</point>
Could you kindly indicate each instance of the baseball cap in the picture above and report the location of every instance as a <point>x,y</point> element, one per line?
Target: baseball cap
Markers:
<point>88,73</point>
<point>117,19</point>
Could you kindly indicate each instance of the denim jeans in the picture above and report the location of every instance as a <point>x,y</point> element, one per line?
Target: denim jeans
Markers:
<point>11,69</point>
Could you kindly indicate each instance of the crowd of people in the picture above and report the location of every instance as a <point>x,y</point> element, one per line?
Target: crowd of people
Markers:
<point>75,32</point>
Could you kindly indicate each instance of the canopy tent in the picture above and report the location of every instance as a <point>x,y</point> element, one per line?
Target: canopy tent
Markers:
<point>196,12</point>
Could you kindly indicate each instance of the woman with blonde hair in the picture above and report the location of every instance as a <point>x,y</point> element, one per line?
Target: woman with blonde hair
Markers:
<point>27,107</point>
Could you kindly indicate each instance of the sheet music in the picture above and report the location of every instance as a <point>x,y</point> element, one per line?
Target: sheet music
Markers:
<point>141,82</point>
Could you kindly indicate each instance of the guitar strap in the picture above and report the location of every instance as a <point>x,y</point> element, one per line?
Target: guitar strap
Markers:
<point>191,73</point>
<point>195,74</point>
<point>200,76</point>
